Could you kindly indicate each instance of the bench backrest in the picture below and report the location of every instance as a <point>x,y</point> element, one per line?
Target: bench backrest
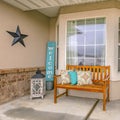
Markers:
<point>99,73</point>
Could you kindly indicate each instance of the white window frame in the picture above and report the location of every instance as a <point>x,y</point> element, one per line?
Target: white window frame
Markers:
<point>105,45</point>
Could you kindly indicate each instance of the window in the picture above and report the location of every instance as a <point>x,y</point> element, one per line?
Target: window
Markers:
<point>85,43</point>
<point>57,50</point>
<point>119,47</point>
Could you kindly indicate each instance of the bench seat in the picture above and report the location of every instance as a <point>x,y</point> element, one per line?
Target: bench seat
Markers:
<point>92,87</point>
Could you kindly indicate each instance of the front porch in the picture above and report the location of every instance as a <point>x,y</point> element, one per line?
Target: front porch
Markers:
<point>18,64</point>
<point>71,108</point>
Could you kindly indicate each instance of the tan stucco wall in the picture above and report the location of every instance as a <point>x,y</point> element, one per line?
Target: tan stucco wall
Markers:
<point>90,6</point>
<point>115,90</point>
<point>31,23</point>
<point>52,34</point>
<point>111,54</point>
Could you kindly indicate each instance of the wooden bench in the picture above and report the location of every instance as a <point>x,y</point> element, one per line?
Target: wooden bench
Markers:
<point>100,79</point>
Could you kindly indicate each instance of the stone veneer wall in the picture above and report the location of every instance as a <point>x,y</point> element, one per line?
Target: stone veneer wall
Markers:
<point>15,82</point>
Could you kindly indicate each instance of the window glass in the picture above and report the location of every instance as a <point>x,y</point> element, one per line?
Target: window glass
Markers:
<point>100,61</point>
<point>90,24</point>
<point>80,51</point>
<point>119,52</point>
<point>119,46</point>
<point>80,26</point>
<point>85,43</point>
<point>90,37</point>
<point>80,39</point>
<point>100,23</point>
<point>100,51</point>
<point>90,52</point>
<point>81,62</point>
<point>89,62</point>
<point>100,35</point>
<point>118,64</point>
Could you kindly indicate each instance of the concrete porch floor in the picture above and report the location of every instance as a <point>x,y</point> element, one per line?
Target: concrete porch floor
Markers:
<point>68,105</point>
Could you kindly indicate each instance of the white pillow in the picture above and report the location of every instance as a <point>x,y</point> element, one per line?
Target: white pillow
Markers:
<point>84,77</point>
<point>65,79</point>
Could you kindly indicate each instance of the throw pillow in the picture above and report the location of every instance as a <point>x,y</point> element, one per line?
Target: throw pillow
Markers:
<point>73,77</point>
<point>84,77</point>
<point>65,79</point>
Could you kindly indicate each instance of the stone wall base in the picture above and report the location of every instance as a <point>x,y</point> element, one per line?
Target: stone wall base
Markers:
<point>16,82</point>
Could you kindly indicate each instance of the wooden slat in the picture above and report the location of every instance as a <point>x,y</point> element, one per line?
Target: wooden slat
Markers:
<point>104,73</point>
<point>97,70</point>
<point>61,95</point>
<point>93,73</point>
<point>100,73</point>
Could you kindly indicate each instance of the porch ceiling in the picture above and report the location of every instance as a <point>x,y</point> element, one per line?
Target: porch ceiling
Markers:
<point>47,7</point>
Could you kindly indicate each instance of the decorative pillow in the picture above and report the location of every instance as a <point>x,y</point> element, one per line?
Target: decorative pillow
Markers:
<point>84,77</point>
<point>73,77</point>
<point>65,79</point>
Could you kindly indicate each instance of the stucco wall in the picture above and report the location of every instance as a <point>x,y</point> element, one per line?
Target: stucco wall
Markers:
<point>33,24</point>
<point>111,53</point>
<point>52,31</point>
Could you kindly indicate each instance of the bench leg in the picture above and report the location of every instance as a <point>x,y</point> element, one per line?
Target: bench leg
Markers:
<point>55,95</point>
<point>104,100</point>
<point>66,92</point>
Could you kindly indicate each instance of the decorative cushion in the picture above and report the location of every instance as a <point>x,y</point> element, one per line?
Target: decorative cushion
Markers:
<point>84,77</point>
<point>65,79</point>
<point>73,77</point>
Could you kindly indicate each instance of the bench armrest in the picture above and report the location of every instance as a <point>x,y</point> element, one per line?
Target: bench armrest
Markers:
<point>107,78</point>
<point>56,76</point>
<point>106,81</point>
<point>56,79</point>
<point>103,82</point>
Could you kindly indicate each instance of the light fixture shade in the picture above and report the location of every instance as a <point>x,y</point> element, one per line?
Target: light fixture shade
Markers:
<point>38,74</point>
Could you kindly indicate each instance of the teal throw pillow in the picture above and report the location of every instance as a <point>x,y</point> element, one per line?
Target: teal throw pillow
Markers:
<point>73,77</point>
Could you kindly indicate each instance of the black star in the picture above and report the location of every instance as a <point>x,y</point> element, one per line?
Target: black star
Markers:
<point>18,37</point>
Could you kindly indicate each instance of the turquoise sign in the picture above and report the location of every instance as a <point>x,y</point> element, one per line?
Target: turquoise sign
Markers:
<point>50,61</point>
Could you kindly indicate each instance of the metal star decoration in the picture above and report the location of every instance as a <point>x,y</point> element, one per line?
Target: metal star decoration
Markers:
<point>18,37</point>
